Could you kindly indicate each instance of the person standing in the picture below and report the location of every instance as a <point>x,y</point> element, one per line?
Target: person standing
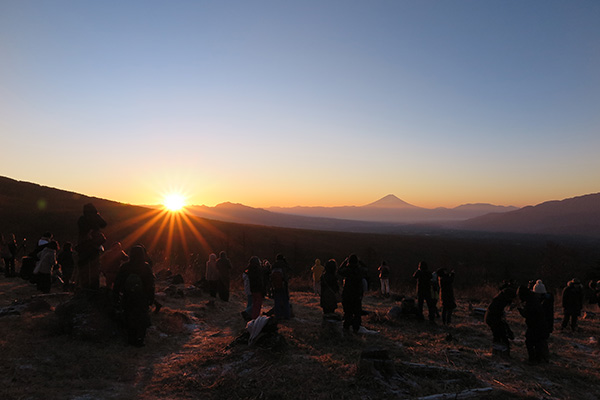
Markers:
<point>89,247</point>
<point>536,336</point>
<point>354,274</point>
<point>9,253</point>
<point>384,278</point>
<point>330,288</point>
<point>572,302</point>
<point>45,266</point>
<point>446,284</point>
<point>423,277</point>
<point>67,265</point>
<point>279,284</point>
<point>111,261</point>
<point>248,310</point>
<point>256,277</point>
<point>224,272</point>
<point>134,289</point>
<point>317,272</point>
<point>212,275</point>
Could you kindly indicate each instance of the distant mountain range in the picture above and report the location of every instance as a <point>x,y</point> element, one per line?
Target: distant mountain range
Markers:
<point>391,209</point>
<point>39,207</point>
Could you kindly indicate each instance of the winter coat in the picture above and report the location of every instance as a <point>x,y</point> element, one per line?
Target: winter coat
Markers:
<point>212,272</point>
<point>317,271</point>
<point>572,299</point>
<point>224,268</point>
<point>446,283</point>
<point>354,275</point>
<point>144,271</point>
<point>547,301</point>
<point>256,276</point>
<point>535,320</point>
<point>423,278</point>
<point>384,272</point>
<point>47,261</point>
<point>495,311</point>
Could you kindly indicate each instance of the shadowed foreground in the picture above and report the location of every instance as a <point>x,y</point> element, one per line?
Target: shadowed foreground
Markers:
<point>192,352</point>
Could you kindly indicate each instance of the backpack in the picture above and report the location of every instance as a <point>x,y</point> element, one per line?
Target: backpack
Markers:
<point>133,292</point>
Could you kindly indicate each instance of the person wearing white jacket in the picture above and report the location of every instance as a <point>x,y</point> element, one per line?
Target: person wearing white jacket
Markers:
<point>45,265</point>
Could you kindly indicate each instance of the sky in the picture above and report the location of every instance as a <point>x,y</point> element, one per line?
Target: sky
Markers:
<point>286,103</point>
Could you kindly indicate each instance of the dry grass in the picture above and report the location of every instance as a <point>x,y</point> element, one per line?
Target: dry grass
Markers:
<point>188,355</point>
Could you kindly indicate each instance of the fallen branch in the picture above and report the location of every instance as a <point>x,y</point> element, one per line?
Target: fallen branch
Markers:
<point>460,395</point>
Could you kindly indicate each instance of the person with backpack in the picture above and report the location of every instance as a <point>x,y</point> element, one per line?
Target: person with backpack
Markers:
<point>354,274</point>
<point>134,291</point>
<point>279,285</point>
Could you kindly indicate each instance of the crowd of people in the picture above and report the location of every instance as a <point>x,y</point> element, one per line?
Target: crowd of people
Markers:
<point>130,279</point>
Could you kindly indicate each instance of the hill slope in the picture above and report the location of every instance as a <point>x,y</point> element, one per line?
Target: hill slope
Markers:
<point>575,216</point>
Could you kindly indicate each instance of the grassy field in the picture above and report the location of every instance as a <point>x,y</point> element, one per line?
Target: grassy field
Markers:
<point>191,352</point>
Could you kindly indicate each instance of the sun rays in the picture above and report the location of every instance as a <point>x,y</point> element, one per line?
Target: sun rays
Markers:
<point>174,232</point>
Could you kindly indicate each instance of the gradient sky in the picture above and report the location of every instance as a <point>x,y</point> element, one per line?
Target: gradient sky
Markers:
<point>284,103</point>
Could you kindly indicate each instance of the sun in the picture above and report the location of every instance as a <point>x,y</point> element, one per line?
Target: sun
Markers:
<point>174,202</point>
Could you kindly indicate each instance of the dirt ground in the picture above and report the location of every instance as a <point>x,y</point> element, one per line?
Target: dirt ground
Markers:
<point>191,352</point>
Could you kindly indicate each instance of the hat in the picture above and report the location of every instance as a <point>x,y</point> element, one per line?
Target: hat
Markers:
<point>539,287</point>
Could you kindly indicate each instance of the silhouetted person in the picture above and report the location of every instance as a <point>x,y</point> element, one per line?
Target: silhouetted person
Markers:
<point>45,266</point>
<point>354,274</point>
<point>536,336</point>
<point>67,265</point>
<point>572,302</point>
<point>256,277</point>
<point>495,318</point>
<point>134,289</point>
<point>446,284</point>
<point>330,288</point>
<point>212,275</point>
<point>224,271</point>
<point>316,272</point>
<point>547,300</point>
<point>111,261</point>
<point>423,277</point>
<point>279,285</point>
<point>595,296</point>
<point>384,278</point>
<point>9,253</point>
<point>89,247</point>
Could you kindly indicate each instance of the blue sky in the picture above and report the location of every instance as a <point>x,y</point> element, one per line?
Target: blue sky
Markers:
<point>280,103</point>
